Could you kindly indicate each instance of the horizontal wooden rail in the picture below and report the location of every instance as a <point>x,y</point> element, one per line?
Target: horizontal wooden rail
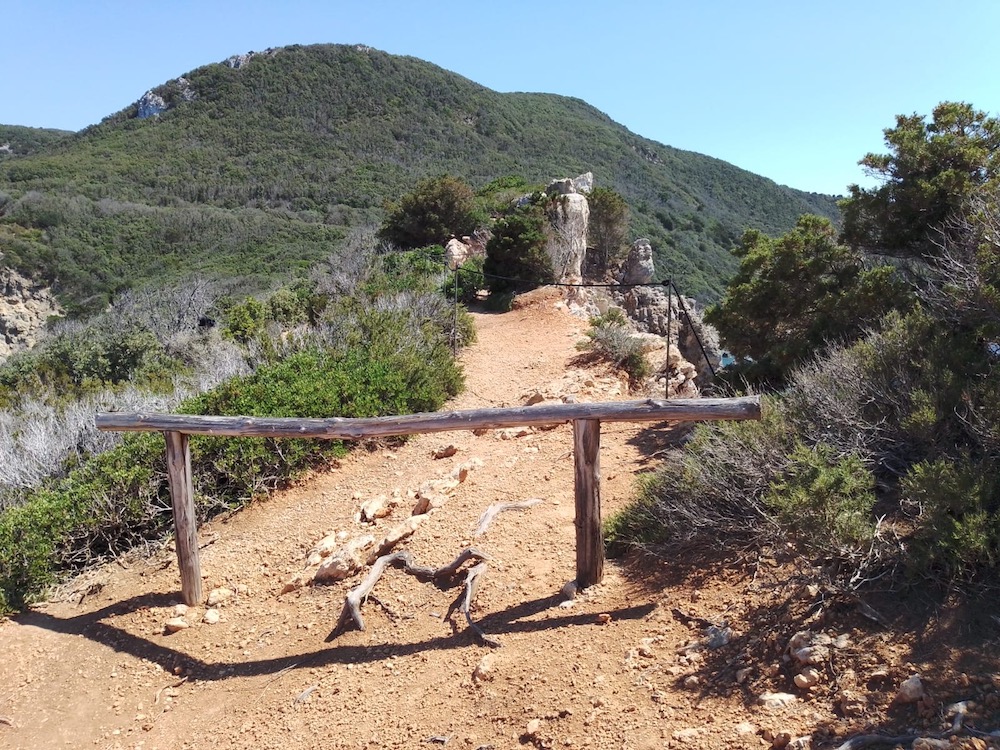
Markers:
<point>341,428</point>
<point>586,419</point>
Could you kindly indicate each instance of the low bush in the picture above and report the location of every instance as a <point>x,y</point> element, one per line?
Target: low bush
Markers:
<point>610,336</point>
<point>396,362</point>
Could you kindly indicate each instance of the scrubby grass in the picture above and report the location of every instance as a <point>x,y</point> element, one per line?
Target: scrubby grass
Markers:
<point>371,342</point>
<point>119,498</point>
<point>879,460</point>
<point>610,337</point>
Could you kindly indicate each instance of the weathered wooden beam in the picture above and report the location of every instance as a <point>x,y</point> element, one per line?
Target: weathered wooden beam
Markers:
<point>185,519</point>
<point>587,486</point>
<point>334,428</point>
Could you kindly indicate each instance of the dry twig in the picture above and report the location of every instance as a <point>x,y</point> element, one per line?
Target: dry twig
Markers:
<point>355,597</point>
<point>497,508</point>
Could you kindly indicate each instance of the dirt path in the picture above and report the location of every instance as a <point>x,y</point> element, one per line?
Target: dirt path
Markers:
<point>615,668</point>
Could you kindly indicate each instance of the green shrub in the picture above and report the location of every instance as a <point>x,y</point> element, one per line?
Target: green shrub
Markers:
<point>610,336</point>
<point>516,258</point>
<point>709,494</point>
<point>826,501</point>
<point>399,362</point>
<point>957,508</point>
<point>467,280</point>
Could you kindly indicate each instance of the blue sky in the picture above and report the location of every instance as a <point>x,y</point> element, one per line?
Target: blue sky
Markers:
<point>795,91</point>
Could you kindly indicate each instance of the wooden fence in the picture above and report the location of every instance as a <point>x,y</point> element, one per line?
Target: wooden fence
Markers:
<point>586,419</point>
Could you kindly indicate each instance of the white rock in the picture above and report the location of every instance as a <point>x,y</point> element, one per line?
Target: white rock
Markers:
<point>180,610</point>
<point>346,561</point>
<point>176,624</point>
<point>377,507</point>
<point>485,670</point>
<point>911,690</point>
<point>211,617</point>
<point>533,726</point>
<point>807,678</point>
<point>218,596</point>
<point>395,536</point>
<point>776,700</point>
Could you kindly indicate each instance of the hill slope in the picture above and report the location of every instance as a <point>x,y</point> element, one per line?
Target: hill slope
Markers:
<point>321,136</point>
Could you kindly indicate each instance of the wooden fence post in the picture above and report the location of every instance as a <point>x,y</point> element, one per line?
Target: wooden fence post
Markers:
<point>185,520</point>
<point>587,484</point>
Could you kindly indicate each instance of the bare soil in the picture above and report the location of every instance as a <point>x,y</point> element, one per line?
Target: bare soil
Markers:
<point>625,665</point>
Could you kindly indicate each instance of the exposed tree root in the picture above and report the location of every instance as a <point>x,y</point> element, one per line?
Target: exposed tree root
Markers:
<point>354,599</point>
<point>957,729</point>
<point>497,508</point>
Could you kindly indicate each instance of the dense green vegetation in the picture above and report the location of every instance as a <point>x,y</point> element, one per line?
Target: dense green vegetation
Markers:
<point>261,171</point>
<point>367,335</point>
<point>22,141</point>
<point>879,453</point>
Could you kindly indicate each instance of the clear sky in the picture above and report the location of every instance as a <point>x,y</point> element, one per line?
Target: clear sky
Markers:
<point>796,91</point>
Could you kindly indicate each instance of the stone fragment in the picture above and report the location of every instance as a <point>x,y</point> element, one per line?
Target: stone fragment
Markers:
<point>604,618</point>
<point>851,703</point>
<point>534,398</point>
<point>776,700</point>
<point>175,624</point>
<point>395,536</point>
<point>346,561</point>
<point>219,596</point>
<point>485,671</point>
<point>718,637</point>
<point>180,610</point>
<point>808,648</point>
<point>533,727</point>
<point>807,678</point>
<point>446,451</point>
<point>931,743</point>
<point>300,579</point>
<point>911,690</point>
<point>378,507</point>
<point>211,617</point>
<point>691,682</point>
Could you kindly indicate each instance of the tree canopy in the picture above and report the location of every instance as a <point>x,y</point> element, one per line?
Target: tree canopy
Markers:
<point>794,293</point>
<point>436,209</point>
<point>607,229</point>
<point>931,170</point>
<point>516,251</point>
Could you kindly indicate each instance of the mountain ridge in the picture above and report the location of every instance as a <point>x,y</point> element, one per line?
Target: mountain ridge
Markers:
<point>326,134</point>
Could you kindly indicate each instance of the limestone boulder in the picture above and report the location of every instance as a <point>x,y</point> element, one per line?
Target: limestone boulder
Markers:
<point>639,268</point>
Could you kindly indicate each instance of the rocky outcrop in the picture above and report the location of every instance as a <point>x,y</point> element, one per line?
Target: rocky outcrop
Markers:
<point>650,310</point>
<point>639,267</point>
<point>568,244</point>
<point>153,104</point>
<point>569,217</point>
<point>25,306</point>
<point>238,61</point>
<point>456,253</point>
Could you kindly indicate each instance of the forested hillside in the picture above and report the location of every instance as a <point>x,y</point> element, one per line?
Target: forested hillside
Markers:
<point>259,168</point>
<point>16,140</point>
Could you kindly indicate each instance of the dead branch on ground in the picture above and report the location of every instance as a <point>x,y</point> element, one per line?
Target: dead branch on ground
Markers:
<point>497,508</point>
<point>356,596</point>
